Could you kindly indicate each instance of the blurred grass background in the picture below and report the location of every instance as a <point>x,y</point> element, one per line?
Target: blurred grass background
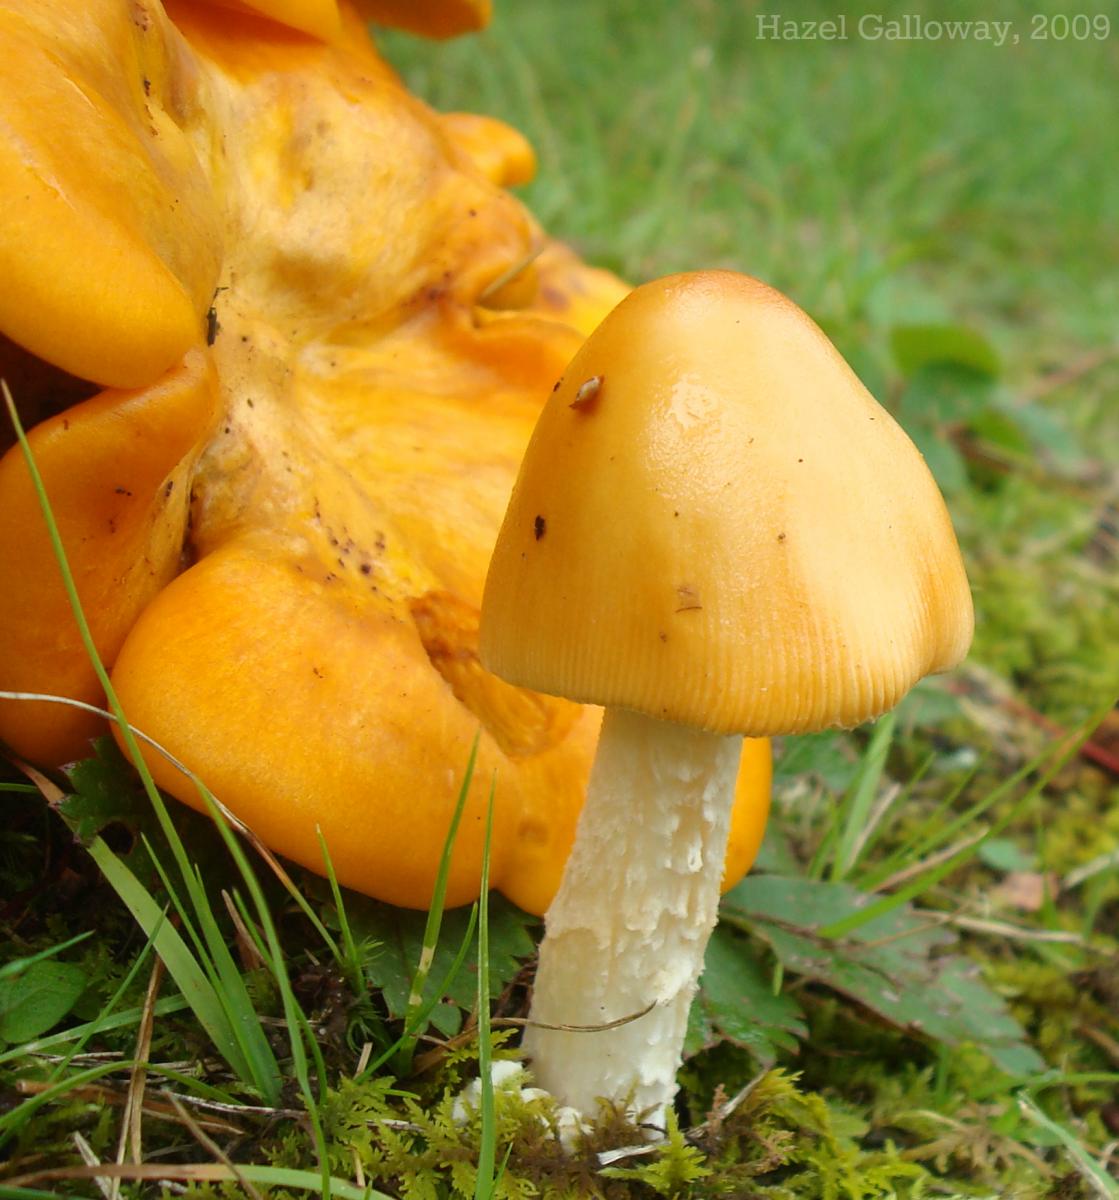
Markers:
<point>880,184</point>
<point>870,179</point>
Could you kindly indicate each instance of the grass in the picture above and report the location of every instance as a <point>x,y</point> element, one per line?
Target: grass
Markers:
<point>893,190</point>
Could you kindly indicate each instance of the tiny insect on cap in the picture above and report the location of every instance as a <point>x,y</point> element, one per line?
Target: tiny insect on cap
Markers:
<point>733,535</point>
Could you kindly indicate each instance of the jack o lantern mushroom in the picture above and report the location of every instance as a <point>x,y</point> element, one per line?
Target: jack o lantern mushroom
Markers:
<point>326,332</point>
<point>754,546</point>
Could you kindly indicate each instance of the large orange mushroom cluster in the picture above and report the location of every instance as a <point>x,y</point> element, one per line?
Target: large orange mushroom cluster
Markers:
<point>282,337</point>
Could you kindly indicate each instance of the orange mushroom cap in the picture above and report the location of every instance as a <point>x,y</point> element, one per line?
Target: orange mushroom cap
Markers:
<point>384,333</point>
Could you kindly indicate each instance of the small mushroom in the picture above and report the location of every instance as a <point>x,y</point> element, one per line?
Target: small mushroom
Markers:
<point>739,540</point>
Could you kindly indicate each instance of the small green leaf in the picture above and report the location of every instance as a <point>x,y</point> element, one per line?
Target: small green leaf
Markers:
<point>1004,855</point>
<point>735,1003</point>
<point>927,704</point>
<point>916,346</point>
<point>1050,437</point>
<point>998,429</point>
<point>944,461</point>
<point>106,793</point>
<point>826,755</point>
<point>776,855</point>
<point>399,933</point>
<point>894,964</point>
<point>945,394</point>
<point>35,1000</point>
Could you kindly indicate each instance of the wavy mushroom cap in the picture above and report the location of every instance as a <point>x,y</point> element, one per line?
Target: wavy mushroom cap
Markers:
<point>387,325</point>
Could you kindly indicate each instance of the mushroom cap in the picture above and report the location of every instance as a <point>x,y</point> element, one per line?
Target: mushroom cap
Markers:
<point>724,529</point>
<point>280,539</point>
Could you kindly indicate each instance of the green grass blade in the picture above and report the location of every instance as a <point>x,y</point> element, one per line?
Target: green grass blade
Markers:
<point>350,960</point>
<point>420,1019</point>
<point>181,964</point>
<point>484,1182</point>
<point>280,1177</point>
<point>434,922</point>
<point>860,797</point>
<point>228,985</point>
<point>181,912</point>
<point>293,1014</point>
<point>131,1016</point>
<point>1091,1170</point>
<point>238,1006</point>
<point>11,1120</point>
<point>260,1066</point>
<point>1059,754</point>
<point>19,965</point>
<point>931,833</point>
<point>100,1021</point>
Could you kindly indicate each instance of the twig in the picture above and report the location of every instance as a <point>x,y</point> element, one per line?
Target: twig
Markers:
<point>246,945</point>
<point>249,1110</point>
<point>881,807</point>
<point>607,1158</point>
<point>1017,932</point>
<point>1108,1045</point>
<point>724,1110</point>
<point>196,1172</point>
<point>363,1058</point>
<point>1097,866</point>
<point>101,1095</point>
<point>1069,373</point>
<point>615,1024</point>
<point>132,1117</point>
<point>208,1143</point>
<point>934,860</point>
<point>105,1185</point>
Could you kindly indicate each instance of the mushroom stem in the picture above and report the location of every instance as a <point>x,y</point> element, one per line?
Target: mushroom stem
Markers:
<point>633,914</point>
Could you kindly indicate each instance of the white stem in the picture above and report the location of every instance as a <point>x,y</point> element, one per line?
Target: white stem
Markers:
<point>633,914</point>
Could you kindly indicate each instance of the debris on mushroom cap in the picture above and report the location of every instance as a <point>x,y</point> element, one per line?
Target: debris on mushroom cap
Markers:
<point>362,410</point>
<point>753,545</point>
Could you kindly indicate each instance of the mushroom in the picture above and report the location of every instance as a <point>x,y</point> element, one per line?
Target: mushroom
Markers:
<point>280,539</point>
<point>715,530</point>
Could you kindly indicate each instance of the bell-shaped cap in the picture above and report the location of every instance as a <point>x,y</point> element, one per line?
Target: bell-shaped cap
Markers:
<point>715,523</point>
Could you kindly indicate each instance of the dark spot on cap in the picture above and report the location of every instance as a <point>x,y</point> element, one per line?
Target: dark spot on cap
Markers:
<point>539,527</point>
